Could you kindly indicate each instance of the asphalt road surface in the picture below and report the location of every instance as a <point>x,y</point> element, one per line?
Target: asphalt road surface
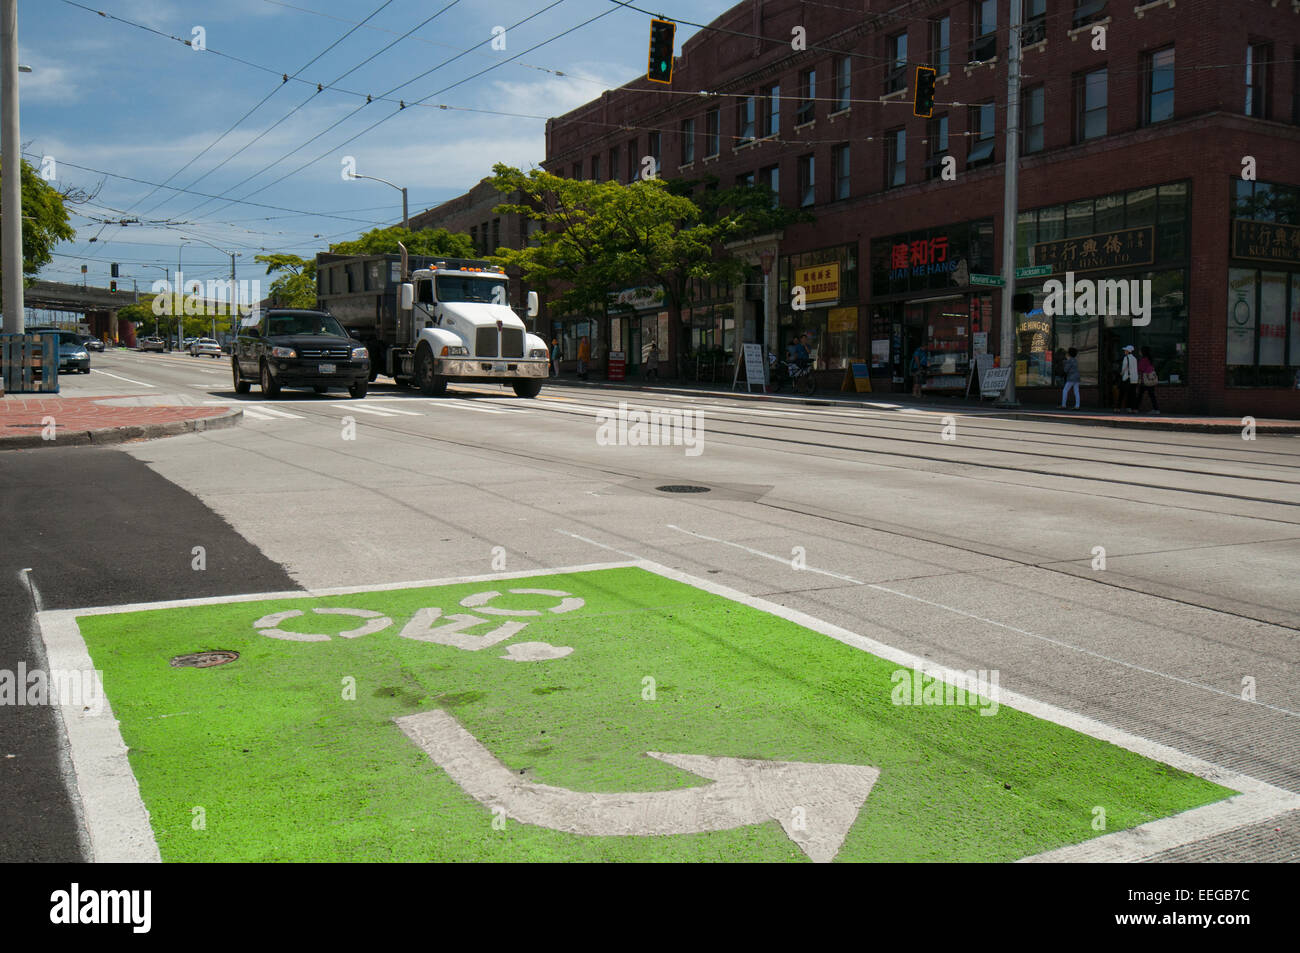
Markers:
<point>1140,578</point>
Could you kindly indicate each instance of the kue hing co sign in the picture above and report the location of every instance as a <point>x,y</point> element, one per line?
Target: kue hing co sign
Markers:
<point>819,282</point>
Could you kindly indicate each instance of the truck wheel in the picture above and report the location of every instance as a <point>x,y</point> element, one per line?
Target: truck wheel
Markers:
<point>320,388</point>
<point>426,374</point>
<point>358,390</point>
<point>527,388</point>
<point>270,386</point>
<point>241,386</point>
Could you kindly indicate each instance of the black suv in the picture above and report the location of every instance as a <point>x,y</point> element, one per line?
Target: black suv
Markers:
<point>289,347</point>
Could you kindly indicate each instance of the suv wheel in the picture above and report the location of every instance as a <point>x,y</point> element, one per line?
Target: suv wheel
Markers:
<point>270,386</point>
<point>241,386</point>
<point>358,390</point>
<point>527,388</point>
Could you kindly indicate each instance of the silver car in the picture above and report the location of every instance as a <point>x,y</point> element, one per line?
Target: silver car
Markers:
<point>205,346</point>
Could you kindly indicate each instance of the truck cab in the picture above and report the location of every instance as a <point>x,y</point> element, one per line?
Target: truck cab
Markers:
<point>465,330</point>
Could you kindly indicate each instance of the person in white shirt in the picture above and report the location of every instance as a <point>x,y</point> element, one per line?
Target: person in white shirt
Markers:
<point>1128,377</point>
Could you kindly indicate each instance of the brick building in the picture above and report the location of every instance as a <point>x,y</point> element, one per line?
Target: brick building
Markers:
<point>1132,169</point>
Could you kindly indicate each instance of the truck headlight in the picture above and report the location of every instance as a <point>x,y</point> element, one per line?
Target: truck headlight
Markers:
<point>283,352</point>
<point>538,352</point>
<point>360,354</point>
<point>454,350</point>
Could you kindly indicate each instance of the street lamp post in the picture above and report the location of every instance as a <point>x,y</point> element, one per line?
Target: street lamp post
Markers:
<point>176,305</point>
<point>168,275</point>
<point>11,188</point>
<point>406,221</point>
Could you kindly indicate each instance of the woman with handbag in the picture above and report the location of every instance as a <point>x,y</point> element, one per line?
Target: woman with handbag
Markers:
<point>1147,379</point>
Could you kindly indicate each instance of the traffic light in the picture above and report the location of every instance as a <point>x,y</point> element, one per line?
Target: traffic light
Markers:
<point>660,69</point>
<point>923,98</point>
<point>112,287</point>
<point>112,270</point>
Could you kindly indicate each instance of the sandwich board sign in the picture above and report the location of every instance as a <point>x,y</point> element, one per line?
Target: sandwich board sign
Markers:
<point>994,382</point>
<point>755,369</point>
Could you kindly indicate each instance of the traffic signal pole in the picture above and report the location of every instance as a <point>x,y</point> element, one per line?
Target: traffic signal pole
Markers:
<point>1010,209</point>
<point>11,183</point>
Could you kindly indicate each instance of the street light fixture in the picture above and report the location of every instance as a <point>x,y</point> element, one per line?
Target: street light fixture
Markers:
<point>406,222</point>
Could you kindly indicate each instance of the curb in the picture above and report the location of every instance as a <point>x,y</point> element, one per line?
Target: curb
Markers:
<point>1165,423</point>
<point>112,435</point>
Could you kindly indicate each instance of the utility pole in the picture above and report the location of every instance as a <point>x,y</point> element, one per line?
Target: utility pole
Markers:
<point>1010,208</point>
<point>11,188</point>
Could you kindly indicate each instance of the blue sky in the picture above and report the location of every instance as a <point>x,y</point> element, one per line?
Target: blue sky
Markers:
<point>109,96</point>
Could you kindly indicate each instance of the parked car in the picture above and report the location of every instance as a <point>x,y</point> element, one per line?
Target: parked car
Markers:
<point>299,348</point>
<point>73,357</point>
<point>205,346</point>
<point>189,341</point>
<point>153,344</point>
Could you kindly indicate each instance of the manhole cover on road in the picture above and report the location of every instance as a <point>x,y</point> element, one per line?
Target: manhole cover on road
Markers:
<point>682,488</point>
<point>204,659</point>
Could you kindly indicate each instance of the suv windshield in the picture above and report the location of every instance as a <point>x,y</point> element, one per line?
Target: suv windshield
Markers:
<point>453,288</point>
<point>304,324</point>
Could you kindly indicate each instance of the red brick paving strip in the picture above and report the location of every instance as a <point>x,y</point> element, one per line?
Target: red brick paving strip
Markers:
<point>85,420</point>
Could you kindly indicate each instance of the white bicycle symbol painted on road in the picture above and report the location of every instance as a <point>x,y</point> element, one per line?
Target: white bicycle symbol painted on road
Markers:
<point>424,627</point>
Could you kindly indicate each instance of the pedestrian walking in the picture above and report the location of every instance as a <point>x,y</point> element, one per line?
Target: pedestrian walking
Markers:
<point>1128,380</point>
<point>652,361</point>
<point>920,364</point>
<point>1071,372</point>
<point>584,355</point>
<point>555,356</point>
<point>1147,379</point>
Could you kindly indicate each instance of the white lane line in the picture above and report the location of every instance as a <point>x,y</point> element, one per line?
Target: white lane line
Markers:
<point>778,559</point>
<point>1236,696</point>
<point>280,413</point>
<point>1003,625</point>
<point>387,411</point>
<point>256,414</point>
<point>373,412</point>
<point>96,370</point>
<point>463,405</point>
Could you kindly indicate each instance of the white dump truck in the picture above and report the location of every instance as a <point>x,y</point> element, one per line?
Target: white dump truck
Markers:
<point>447,320</point>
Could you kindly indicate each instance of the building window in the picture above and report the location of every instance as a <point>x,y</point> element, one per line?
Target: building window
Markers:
<point>613,163</point>
<point>633,160</point>
<point>1259,79</point>
<point>939,34</point>
<point>688,141</point>
<point>936,135</point>
<point>595,168</point>
<point>745,119</point>
<point>496,237</point>
<point>771,177</point>
<point>984,30</point>
<point>807,96</point>
<point>843,82</point>
<point>895,158</point>
<point>896,78</point>
<point>1034,20</point>
<point>712,128</point>
<point>656,152</point>
<point>577,170</point>
<point>1090,105</point>
<point>1086,11</point>
<point>841,159</point>
<point>746,180</point>
<point>1158,81</point>
<point>807,180</point>
<point>1034,111</point>
<point>981,121</point>
<point>772,111</point>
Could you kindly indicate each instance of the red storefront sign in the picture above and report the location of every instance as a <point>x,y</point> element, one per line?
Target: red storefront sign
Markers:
<point>617,366</point>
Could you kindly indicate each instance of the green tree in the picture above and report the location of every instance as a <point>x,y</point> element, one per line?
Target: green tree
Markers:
<point>427,241</point>
<point>295,282</point>
<point>598,237</point>
<point>45,222</point>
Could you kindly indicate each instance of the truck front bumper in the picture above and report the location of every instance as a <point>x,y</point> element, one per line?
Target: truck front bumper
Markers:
<point>491,369</point>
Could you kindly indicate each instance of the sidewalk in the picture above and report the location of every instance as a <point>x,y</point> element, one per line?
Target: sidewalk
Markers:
<point>46,420</point>
<point>1087,417</point>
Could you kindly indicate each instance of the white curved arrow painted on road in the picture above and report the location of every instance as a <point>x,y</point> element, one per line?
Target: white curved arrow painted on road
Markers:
<point>816,804</point>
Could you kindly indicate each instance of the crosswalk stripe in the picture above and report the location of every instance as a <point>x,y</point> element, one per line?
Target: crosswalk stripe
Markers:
<point>386,412</point>
<point>281,413</point>
<point>466,405</point>
<point>256,415</point>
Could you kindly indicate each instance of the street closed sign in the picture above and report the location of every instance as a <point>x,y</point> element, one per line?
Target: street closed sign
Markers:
<point>619,713</point>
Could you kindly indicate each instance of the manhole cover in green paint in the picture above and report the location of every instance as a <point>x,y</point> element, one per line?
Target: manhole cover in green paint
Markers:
<point>682,488</point>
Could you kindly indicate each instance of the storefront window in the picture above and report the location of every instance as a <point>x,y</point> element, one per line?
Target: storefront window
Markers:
<point>1034,357</point>
<point>1295,320</point>
<point>1272,319</point>
<point>1241,316</point>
